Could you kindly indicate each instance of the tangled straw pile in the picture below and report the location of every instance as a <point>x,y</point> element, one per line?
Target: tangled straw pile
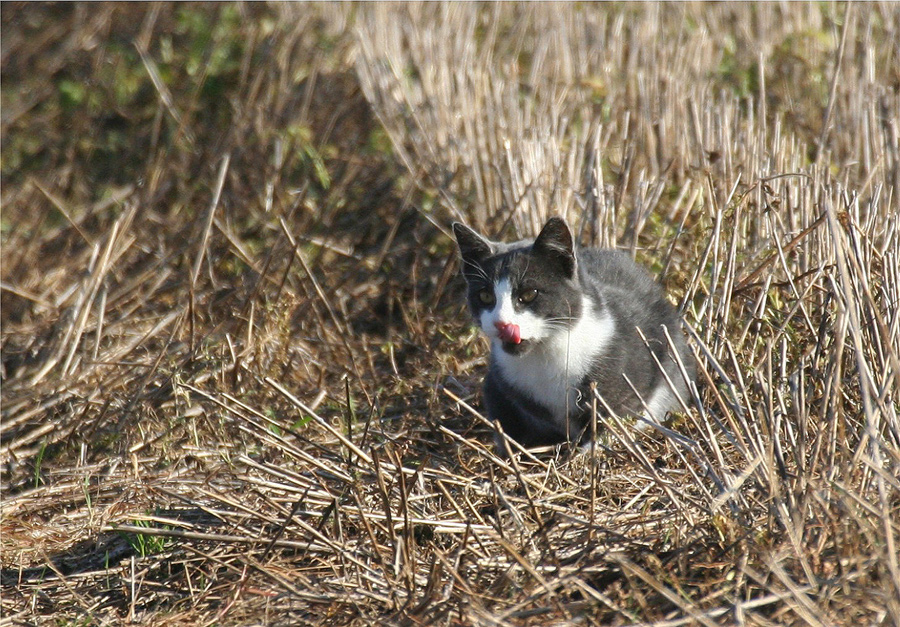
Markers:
<point>239,385</point>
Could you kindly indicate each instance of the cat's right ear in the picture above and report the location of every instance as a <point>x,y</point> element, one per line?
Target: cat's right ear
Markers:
<point>473,248</point>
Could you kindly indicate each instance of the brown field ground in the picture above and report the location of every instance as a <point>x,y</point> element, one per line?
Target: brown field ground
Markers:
<point>239,384</point>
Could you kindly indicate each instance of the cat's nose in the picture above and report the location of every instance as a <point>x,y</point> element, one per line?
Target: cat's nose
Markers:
<point>509,332</point>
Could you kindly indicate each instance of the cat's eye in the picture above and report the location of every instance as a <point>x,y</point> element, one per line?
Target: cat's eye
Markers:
<point>527,296</point>
<point>486,297</point>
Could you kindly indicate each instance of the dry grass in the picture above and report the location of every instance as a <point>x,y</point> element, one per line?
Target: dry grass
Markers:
<point>239,385</point>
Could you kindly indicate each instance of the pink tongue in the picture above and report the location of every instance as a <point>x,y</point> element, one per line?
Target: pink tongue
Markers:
<point>510,333</point>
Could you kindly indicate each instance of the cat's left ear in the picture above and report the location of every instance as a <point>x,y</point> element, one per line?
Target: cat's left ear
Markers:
<point>555,241</point>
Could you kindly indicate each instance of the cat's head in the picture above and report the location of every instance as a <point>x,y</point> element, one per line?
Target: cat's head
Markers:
<point>524,293</point>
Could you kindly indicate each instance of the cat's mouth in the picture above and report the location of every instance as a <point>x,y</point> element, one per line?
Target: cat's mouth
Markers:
<point>510,336</point>
<point>508,332</point>
<point>516,348</point>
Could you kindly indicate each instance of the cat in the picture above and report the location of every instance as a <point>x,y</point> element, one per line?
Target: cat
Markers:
<point>560,317</point>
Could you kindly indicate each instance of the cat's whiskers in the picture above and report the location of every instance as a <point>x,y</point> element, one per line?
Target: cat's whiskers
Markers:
<point>562,323</point>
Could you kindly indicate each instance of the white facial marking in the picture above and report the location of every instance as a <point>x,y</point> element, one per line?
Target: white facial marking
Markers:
<point>531,327</point>
<point>551,371</point>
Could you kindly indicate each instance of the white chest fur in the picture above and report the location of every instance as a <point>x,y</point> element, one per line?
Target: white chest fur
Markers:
<point>551,372</point>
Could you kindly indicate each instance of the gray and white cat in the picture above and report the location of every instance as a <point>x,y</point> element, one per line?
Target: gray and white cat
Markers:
<point>561,317</point>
